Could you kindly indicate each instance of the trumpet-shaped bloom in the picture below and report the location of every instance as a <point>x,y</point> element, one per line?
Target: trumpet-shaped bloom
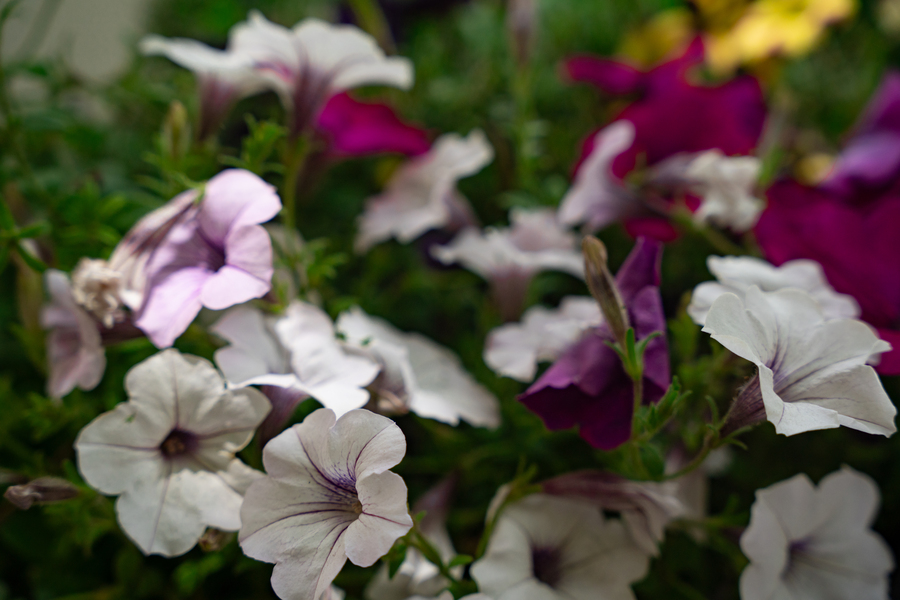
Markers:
<point>509,258</point>
<point>515,349</point>
<point>856,246</point>
<point>328,496</point>
<point>353,128</point>
<point>587,386</point>
<point>168,453</point>
<point>297,351</point>
<point>816,542</point>
<point>550,548</point>
<point>417,374</point>
<point>422,194</point>
<point>812,370</point>
<point>217,257</point>
<point>75,354</point>
<point>735,274</point>
<point>313,61</point>
<point>670,116</point>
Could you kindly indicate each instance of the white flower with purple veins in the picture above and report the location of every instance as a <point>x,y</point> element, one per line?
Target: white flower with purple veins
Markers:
<point>549,548</point>
<point>308,64</point>
<point>808,543</point>
<point>735,274</point>
<point>726,185</point>
<point>75,354</point>
<point>297,350</point>
<point>216,256</point>
<point>168,453</point>
<point>328,496</point>
<point>422,194</point>
<point>597,197</point>
<point>515,349</point>
<point>223,76</point>
<point>508,258</point>
<point>812,370</point>
<point>417,374</point>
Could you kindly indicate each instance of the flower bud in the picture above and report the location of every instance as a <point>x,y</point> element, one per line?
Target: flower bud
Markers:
<point>603,287</point>
<point>176,131</point>
<point>42,489</point>
<point>520,24</point>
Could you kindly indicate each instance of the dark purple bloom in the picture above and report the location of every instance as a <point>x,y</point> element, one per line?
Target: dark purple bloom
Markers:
<point>354,128</point>
<point>587,386</point>
<point>673,115</point>
<point>858,247</point>
<point>870,162</point>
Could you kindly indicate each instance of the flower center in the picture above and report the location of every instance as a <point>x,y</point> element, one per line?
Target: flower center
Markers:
<point>545,563</point>
<point>357,507</point>
<point>178,443</point>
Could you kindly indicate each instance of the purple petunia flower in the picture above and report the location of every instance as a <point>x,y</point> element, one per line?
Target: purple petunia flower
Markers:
<point>216,257</point>
<point>857,247</point>
<point>672,115</point>
<point>587,386</point>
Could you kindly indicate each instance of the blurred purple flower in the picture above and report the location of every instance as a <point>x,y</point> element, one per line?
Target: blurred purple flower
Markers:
<point>672,115</point>
<point>354,128</point>
<point>217,257</point>
<point>587,386</point>
<point>858,248</point>
<point>870,161</point>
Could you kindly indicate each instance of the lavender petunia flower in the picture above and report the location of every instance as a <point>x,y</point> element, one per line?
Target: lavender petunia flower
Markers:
<point>218,257</point>
<point>75,355</point>
<point>550,548</point>
<point>353,128</point>
<point>422,194</point>
<point>812,370</point>
<point>857,247</point>
<point>735,274</point>
<point>328,496</point>
<point>417,374</point>
<point>816,542</point>
<point>308,64</point>
<point>587,386</point>
<point>168,453</point>
<point>509,258</point>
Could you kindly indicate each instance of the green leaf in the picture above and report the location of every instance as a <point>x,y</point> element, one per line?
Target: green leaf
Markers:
<point>395,558</point>
<point>654,460</point>
<point>30,259</point>
<point>460,559</point>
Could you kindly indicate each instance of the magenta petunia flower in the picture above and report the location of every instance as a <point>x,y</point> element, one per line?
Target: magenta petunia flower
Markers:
<point>672,115</point>
<point>870,162</point>
<point>354,128</point>
<point>217,257</point>
<point>587,386</point>
<point>857,247</point>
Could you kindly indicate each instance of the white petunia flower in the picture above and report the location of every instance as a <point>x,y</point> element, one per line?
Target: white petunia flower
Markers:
<point>75,355</point>
<point>515,349</point>
<point>812,370</point>
<point>168,453</point>
<point>297,351</point>
<point>726,185</point>
<point>805,542</point>
<point>315,60</point>
<point>508,258</point>
<point>736,274</point>
<point>422,194</point>
<point>417,374</point>
<point>550,548</point>
<point>328,496</point>
<point>596,197</point>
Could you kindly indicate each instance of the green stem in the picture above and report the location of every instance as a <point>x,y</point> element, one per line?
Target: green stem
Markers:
<point>294,159</point>
<point>709,444</point>
<point>372,20</point>
<point>712,236</point>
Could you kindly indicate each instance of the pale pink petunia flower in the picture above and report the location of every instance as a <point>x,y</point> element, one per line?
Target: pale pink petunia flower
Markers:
<point>508,258</point>
<point>216,257</point>
<point>417,374</point>
<point>808,542</point>
<point>169,452</point>
<point>328,496</point>
<point>422,194</point>
<point>314,60</point>
<point>75,355</point>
